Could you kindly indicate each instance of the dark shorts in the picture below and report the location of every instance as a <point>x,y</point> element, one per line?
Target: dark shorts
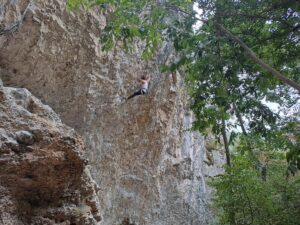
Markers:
<point>144,91</point>
<point>141,91</point>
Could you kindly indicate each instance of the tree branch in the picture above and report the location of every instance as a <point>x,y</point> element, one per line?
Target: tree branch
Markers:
<point>257,60</point>
<point>248,50</point>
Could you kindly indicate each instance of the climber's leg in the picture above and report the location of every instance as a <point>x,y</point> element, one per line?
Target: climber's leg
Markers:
<point>139,92</point>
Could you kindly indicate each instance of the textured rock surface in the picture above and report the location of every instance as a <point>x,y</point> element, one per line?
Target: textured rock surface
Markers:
<point>149,170</point>
<point>43,178</point>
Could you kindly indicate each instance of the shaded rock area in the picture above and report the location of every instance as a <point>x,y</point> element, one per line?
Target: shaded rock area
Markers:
<point>43,177</point>
<point>150,170</point>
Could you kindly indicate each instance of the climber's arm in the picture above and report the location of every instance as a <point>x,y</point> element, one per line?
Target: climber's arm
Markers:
<point>143,81</point>
<point>140,80</point>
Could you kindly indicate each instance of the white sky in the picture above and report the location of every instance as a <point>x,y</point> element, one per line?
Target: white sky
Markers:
<point>199,12</point>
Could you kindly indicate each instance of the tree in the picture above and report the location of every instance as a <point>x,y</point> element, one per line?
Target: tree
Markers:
<point>254,201</point>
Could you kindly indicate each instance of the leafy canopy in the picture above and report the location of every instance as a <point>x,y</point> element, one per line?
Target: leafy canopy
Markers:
<point>253,200</point>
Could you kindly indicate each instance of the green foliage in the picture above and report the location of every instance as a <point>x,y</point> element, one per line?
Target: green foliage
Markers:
<point>242,193</point>
<point>86,4</point>
<point>132,20</point>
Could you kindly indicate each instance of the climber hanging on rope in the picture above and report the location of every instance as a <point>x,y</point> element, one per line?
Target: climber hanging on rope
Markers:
<point>144,81</point>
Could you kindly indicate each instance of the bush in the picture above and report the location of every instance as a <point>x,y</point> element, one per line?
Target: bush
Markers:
<point>243,198</point>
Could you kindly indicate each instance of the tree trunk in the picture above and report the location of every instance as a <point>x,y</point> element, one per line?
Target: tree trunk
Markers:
<point>226,145</point>
<point>240,119</point>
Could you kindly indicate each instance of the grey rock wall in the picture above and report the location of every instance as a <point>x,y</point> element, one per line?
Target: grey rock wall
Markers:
<point>44,179</point>
<point>148,168</point>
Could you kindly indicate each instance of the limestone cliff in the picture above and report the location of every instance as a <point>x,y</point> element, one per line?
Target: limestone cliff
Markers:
<point>150,171</point>
<point>44,179</point>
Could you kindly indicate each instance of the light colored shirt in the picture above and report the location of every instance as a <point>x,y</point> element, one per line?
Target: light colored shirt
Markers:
<point>145,85</point>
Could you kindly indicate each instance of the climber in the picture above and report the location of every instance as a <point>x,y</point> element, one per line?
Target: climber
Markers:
<point>144,81</point>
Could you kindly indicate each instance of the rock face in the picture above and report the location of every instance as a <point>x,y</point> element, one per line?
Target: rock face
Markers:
<point>148,168</point>
<point>44,179</point>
